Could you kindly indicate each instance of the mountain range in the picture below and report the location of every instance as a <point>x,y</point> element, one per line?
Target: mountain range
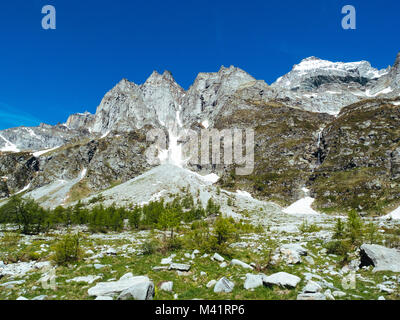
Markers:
<point>331,127</point>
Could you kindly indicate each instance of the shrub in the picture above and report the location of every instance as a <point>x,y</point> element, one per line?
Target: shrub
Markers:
<point>244,227</point>
<point>306,227</point>
<point>338,247</point>
<point>67,250</point>
<point>149,247</point>
<point>99,198</point>
<point>173,244</point>
<point>10,239</point>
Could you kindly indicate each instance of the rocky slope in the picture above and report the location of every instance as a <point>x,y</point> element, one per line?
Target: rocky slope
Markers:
<point>360,152</point>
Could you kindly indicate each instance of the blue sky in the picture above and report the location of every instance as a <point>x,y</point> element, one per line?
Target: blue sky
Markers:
<point>45,75</point>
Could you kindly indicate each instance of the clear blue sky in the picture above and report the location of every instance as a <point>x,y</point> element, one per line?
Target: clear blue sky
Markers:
<point>45,75</point>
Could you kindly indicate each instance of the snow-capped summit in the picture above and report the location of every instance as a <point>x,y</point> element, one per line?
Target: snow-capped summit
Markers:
<point>324,86</point>
<point>303,75</point>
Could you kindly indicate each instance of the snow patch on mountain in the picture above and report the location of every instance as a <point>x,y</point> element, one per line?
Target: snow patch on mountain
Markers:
<point>302,206</point>
<point>41,152</point>
<point>9,147</point>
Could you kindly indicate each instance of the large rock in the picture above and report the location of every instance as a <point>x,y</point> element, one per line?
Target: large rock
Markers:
<point>253,281</point>
<point>291,253</point>
<point>311,296</point>
<point>224,285</point>
<point>167,286</point>
<point>312,287</point>
<point>218,257</point>
<point>142,290</point>
<point>139,287</point>
<point>282,279</point>
<point>179,266</point>
<point>294,247</point>
<point>236,262</point>
<point>382,258</point>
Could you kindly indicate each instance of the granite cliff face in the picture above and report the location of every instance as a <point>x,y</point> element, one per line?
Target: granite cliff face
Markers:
<point>330,127</point>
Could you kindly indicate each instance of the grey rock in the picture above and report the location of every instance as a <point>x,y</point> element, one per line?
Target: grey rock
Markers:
<point>328,295</point>
<point>142,290</point>
<point>384,288</point>
<point>167,286</point>
<point>236,262</point>
<point>224,285</point>
<point>282,279</point>
<point>312,287</point>
<point>217,257</point>
<point>103,298</point>
<point>309,260</point>
<point>338,294</point>
<point>253,281</point>
<point>311,296</point>
<point>113,288</point>
<point>382,258</point>
<point>179,266</point>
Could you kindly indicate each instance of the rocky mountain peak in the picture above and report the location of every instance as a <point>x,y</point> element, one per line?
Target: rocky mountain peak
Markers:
<point>395,71</point>
<point>79,121</point>
<point>168,75</point>
<point>397,62</point>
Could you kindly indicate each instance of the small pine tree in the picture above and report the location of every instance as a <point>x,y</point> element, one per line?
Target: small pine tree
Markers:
<point>224,229</point>
<point>135,217</point>
<point>339,229</point>
<point>212,207</point>
<point>169,220</point>
<point>354,227</point>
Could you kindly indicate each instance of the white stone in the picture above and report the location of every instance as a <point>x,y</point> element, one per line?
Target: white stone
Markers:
<point>179,266</point>
<point>167,286</point>
<point>328,295</point>
<point>236,262</point>
<point>383,259</point>
<point>217,257</point>
<point>103,298</point>
<point>166,261</point>
<point>282,279</point>
<point>112,288</point>
<point>141,290</point>
<point>312,287</point>
<point>211,283</point>
<point>253,281</point>
<point>338,294</point>
<point>224,285</point>
<point>87,279</point>
<point>311,296</point>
